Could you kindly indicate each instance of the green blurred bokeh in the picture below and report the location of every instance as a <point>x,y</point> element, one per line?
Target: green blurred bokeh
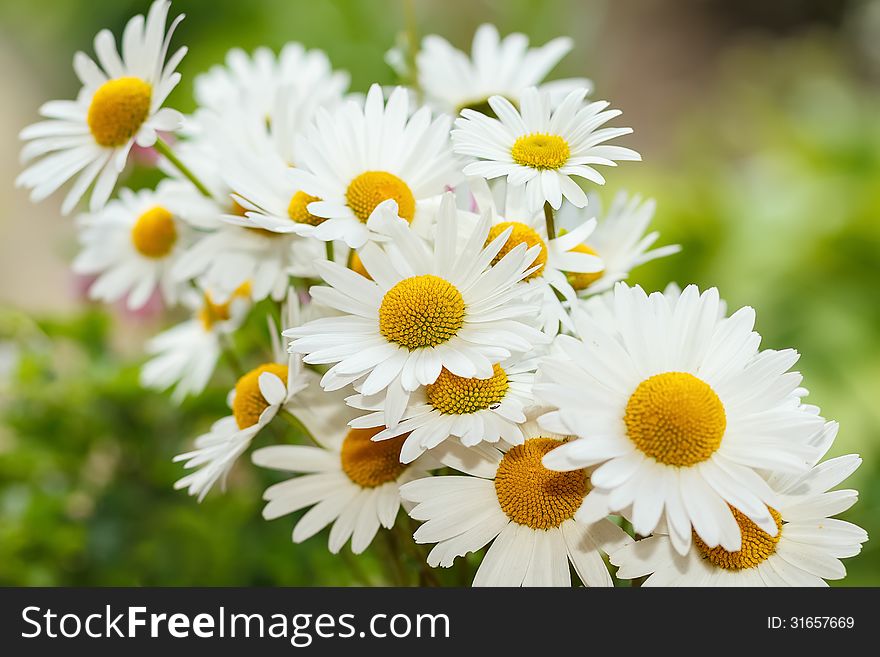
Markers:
<point>759,124</point>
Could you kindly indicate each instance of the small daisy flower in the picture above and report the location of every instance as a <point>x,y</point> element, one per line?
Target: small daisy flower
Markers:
<point>452,81</point>
<point>805,551</point>
<point>359,156</point>
<point>421,310</point>
<point>120,104</point>
<point>474,410</point>
<point>132,244</point>
<point>349,480</point>
<point>680,411</point>
<point>257,398</point>
<point>527,511</point>
<point>186,355</point>
<point>559,258</point>
<point>541,146</point>
<point>619,240</point>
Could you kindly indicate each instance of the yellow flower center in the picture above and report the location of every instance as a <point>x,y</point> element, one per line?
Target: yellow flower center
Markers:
<point>154,233</point>
<point>457,395</point>
<point>249,402</point>
<point>540,151</point>
<point>210,313</point>
<point>421,311</point>
<point>370,188</point>
<point>579,280</point>
<point>757,545</point>
<point>370,464</point>
<point>355,264</point>
<point>534,496</point>
<point>118,110</point>
<point>675,418</point>
<point>521,234</point>
<point>298,212</point>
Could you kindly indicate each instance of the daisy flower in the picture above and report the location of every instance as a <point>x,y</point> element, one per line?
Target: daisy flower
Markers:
<point>679,411</point>
<point>421,311</point>
<point>542,146</point>
<point>474,410</point>
<point>185,355</point>
<point>451,80</point>
<point>359,156</point>
<point>619,240</point>
<point>805,551</point>
<point>257,398</point>
<point>120,104</point>
<point>133,242</point>
<point>528,511</point>
<point>559,258</point>
<point>348,480</point>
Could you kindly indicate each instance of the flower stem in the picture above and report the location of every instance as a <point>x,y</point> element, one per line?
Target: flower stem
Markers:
<point>165,150</point>
<point>548,218</point>
<point>298,424</point>
<point>328,247</point>
<point>231,358</point>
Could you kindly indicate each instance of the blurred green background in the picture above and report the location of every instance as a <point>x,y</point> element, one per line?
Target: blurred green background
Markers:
<point>759,124</point>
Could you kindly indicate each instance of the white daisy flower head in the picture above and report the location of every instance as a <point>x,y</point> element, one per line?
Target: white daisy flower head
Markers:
<point>528,512</point>
<point>348,480</point>
<point>258,396</point>
<point>120,104</point>
<point>543,145</point>
<point>472,409</point>
<point>452,80</point>
<point>559,258</point>
<point>358,156</point>
<point>184,356</point>
<point>805,551</point>
<point>679,412</point>
<point>620,240</point>
<point>132,244</point>
<point>419,312</point>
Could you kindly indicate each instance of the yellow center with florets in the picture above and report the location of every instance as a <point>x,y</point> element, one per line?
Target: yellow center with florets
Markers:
<point>534,496</point>
<point>298,211</point>
<point>370,188</point>
<point>540,151</point>
<point>675,418</point>
<point>421,311</point>
<point>757,545</point>
<point>520,234</point>
<point>457,395</point>
<point>210,313</point>
<point>370,464</point>
<point>249,403</point>
<point>581,280</point>
<point>154,233</point>
<point>118,109</point>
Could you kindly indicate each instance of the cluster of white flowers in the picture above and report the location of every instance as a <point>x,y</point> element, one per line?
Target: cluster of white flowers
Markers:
<point>453,300</point>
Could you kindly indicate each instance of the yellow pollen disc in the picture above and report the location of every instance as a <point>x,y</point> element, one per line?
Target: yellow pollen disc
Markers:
<point>579,280</point>
<point>210,313</point>
<point>456,395</point>
<point>249,402</point>
<point>757,545</point>
<point>370,188</point>
<point>240,211</point>
<point>540,151</point>
<point>118,110</point>
<point>356,265</point>
<point>675,418</point>
<point>534,496</point>
<point>421,311</point>
<point>521,234</point>
<point>298,212</point>
<point>370,464</point>
<point>154,233</point>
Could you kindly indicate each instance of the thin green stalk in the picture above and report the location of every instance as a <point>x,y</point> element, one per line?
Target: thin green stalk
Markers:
<point>548,218</point>
<point>297,424</point>
<point>397,569</point>
<point>164,149</point>
<point>231,359</point>
<point>426,573</point>
<point>328,247</point>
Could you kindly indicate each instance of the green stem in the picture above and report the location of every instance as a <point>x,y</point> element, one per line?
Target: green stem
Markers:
<point>426,573</point>
<point>328,247</point>
<point>231,358</point>
<point>165,150</point>
<point>297,424</point>
<point>397,570</point>
<point>548,218</point>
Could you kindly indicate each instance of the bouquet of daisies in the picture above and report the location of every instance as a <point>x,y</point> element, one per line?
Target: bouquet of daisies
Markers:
<point>448,324</point>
